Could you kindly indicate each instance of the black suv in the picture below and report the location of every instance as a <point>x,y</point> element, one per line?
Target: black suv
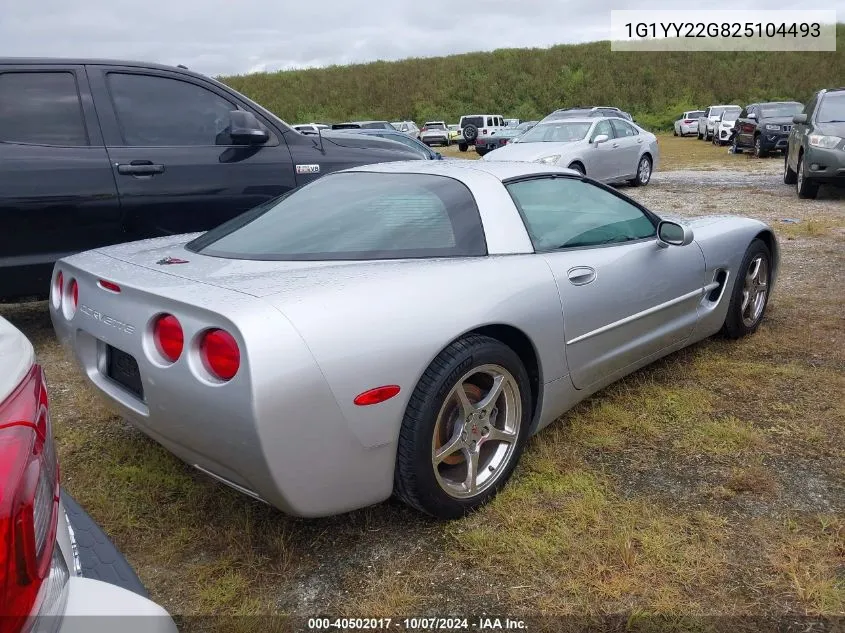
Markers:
<point>98,152</point>
<point>764,127</point>
<point>816,152</point>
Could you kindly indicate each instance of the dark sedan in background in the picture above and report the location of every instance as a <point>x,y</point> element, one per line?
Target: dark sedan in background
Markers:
<point>765,127</point>
<point>488,142</point>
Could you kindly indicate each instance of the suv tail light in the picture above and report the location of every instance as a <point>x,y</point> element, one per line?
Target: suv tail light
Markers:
<point>29,500</point>
<point>220,354</point>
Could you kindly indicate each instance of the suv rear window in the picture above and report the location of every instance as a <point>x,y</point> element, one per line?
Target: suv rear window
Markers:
<point>477,121</point>
<point>41,108</point>
<point>356,216</point>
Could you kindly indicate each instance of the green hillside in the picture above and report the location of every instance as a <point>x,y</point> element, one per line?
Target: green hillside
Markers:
<point>530,83</point>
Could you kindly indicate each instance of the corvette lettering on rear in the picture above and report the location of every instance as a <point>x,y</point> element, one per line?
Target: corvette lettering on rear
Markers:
<point>106,319</point>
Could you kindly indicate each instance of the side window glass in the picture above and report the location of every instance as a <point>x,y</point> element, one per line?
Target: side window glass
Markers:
<point>602,127</point>
<point>41,108</point>
<point>623,129</point>
<point>155,111</point>
<point>567,213</point>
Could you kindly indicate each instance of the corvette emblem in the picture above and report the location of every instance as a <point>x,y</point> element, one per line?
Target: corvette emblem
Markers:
<point>171,260</point>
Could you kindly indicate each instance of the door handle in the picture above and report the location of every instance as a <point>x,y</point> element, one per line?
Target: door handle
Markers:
<point>615,145</point>
<point>640,141</point>
<point>581,275</point>
<point>139,168</point>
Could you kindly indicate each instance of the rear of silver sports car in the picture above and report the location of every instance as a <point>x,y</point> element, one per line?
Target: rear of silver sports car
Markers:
<point>219,377</point>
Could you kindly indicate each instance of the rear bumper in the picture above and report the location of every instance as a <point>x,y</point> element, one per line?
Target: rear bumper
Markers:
<point>274,432</point>
<point>98,607</point>
<point>434,140</point>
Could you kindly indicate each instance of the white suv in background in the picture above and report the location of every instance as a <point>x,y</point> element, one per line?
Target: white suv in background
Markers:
<point>474,124</point>
<point>707,122</point>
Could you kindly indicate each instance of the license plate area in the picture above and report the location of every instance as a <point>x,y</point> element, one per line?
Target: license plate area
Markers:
<point>122,368</point>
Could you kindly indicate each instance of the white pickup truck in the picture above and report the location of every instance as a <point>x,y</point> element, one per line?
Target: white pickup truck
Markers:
<point>51,552</point>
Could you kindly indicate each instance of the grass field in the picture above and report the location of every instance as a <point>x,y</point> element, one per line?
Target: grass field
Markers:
<point>710,483</point>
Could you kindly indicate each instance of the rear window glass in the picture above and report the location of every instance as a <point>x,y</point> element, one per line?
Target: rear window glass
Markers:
<point>354,216</point>
<point>477,121</point>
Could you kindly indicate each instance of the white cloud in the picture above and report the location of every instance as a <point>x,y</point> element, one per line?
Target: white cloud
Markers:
<point>219,37</point>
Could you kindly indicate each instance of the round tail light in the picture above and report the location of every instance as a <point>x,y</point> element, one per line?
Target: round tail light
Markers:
<point>72,299</point>
<point>220,354</point>
<point>168,336</point>
<point>58,288</point>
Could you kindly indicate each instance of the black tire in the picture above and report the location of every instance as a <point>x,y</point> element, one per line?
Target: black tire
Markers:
<point>736,148</point>
<point>462,147</point>
<point>579,168</point>
<point>806,188</point>
<point>470,133</point>
<point>759,152</point>
<point>675,132</point>
<point>734,326</point>
<point>699,135</point>
<point>414,480</point>
<point>639,181</point>
<point>789,176</point>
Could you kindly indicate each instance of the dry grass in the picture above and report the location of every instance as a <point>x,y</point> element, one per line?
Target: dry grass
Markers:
<point>710,483</point>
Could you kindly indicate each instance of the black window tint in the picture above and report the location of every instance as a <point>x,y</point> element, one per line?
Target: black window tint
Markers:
<point>41,108</point>
<point>477,121</point>
<point>567,212</point>
<point>623,129</point>
<point>356,216</point>
<point>602,127</point>
<point>157,111</point>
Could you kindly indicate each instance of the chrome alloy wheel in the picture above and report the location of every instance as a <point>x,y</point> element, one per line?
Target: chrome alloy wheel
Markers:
<point>476,432</point>
<point>755,290</point>
<point>644,172</point>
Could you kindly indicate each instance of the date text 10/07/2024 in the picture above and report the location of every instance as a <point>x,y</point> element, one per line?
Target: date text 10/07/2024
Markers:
<point>418,624</point>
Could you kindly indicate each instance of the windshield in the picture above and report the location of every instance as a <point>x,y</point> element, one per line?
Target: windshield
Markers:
<point>434,125</point>
<point>526,126</point>
<point>556,132</point>
<point>780,110</point>
<point>731,114</point>
<point>454,127</point>
<point>832,108</point>
<point>714,112</point>
<point>356,216</point>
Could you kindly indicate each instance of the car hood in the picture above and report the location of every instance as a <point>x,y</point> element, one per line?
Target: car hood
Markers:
<point>777,120</point>
<point>830,129</point>
<point>371,141</point>
<point>533,151</point>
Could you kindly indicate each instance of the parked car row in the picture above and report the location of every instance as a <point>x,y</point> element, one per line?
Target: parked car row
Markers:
<point>810,136</point>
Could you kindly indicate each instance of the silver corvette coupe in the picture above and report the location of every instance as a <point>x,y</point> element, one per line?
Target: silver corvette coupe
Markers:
<point>400,328</point>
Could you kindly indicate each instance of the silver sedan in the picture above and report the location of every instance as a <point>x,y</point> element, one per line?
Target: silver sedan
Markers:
<point>609,149</point>
<point>400,328</point>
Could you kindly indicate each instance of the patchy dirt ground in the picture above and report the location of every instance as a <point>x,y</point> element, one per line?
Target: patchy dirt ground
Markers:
<point>711,483</point>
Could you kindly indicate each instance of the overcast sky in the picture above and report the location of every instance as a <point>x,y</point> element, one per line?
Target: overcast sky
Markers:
<point>222,37</point>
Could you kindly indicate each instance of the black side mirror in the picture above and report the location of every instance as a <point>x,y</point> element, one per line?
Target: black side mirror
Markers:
<point>799,118</point>
<point>245,129</point>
